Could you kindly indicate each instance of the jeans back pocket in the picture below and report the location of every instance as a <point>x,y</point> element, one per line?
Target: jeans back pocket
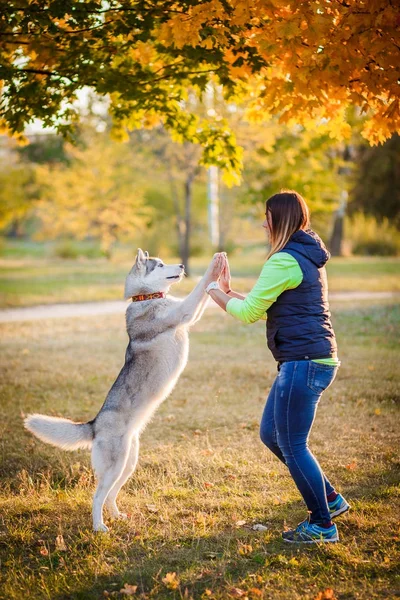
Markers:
<point>320,376</point>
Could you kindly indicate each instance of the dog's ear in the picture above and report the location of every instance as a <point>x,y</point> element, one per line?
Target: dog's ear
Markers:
<point>139,261</point>
<point>140,257</point>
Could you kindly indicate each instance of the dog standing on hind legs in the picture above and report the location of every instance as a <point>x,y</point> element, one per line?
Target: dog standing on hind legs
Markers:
<point>157,352</point>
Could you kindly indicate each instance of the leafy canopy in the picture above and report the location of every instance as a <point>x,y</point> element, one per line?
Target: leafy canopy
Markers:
<point>305,61</point>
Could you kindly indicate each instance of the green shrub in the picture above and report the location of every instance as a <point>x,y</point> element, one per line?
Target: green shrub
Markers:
<point>370,237</point>
<point>73,249</point>
<point>66,249</point>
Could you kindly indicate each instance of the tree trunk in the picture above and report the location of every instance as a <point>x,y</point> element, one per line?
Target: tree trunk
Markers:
<point>336,240</point>
<point>187,221</point>
<point>15,230</point>
<point>337,235</point>
<point>213,206</point>
<point>180,222</point>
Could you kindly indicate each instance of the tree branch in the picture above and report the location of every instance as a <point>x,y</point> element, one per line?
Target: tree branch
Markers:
<point>44,72</point>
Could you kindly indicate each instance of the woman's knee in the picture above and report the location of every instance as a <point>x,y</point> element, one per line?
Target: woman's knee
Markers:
<point>293,450</point>
<point>267,436</point>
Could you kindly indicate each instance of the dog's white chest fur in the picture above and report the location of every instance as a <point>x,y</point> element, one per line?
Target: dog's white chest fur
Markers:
<point>168,355</point>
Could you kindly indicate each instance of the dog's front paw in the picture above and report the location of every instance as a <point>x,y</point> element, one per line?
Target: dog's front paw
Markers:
<point>100,528</point>
<point>114,512</point>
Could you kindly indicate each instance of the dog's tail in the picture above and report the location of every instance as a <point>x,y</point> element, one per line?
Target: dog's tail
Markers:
<point>60,432</point>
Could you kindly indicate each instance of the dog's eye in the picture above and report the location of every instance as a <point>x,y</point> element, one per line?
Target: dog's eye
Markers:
<point>160,265</point>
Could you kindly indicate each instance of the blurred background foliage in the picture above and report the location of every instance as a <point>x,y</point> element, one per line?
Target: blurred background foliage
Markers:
<point>151,191</point>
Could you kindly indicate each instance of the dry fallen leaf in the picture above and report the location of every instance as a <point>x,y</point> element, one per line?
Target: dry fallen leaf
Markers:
<point>236,592</point>
<point>351,466</point>
<point>128,590</point>
<point>240,523</point>
<point>152,508</point>
<point>245,549</point>
<point>60,544</point>
<point>207,484</point>
<point>327,594</point>
<point>171,581</point>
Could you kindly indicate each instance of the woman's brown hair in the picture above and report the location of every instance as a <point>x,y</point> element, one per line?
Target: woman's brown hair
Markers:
<point>288,212</point>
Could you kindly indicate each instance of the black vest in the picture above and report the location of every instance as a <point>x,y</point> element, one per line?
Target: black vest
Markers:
<point>299,322</point>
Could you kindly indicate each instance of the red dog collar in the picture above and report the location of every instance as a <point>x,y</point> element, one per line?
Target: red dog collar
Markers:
<point>143,297</point>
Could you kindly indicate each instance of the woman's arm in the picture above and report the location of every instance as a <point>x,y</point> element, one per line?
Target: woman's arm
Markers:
<point>233,294</point>
<point>281,272</point>
<point>220,298</point>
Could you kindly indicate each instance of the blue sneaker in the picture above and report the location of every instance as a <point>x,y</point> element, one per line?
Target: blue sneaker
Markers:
<point>311,533</point>
<point>338,506</point>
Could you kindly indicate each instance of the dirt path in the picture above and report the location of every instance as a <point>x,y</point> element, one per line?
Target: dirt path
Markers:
<point>90,309</point>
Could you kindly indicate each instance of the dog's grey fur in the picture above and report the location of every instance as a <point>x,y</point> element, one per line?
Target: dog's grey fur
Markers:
<point>155,357</point>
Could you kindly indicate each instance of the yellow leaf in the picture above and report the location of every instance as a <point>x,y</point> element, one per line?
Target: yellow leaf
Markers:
<point>245,549</point>
<point>171,581</point>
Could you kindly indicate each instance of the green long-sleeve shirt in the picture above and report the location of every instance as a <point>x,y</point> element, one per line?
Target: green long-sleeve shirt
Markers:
<point>280,272</point>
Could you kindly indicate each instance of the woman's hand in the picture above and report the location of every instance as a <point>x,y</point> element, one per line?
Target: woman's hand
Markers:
<point>225,279</point>
<point>215,267</point>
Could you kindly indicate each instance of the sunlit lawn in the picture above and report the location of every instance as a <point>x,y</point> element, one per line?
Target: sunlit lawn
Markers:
<point>28,281</point>
<point>204,478</point>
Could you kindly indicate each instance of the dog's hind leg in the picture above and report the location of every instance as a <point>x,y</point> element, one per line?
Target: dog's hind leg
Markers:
<point>130,466</point>
<point>108,459</point>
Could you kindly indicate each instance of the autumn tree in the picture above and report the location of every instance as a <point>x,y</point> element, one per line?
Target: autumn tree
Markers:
<point>19,193</point>
<point>96,195</point>
<point>376,184</point>
<point>303,61</point>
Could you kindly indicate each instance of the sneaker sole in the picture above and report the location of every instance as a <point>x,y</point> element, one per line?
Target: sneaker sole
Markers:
<point>319,541</point>
<point>340,511</point>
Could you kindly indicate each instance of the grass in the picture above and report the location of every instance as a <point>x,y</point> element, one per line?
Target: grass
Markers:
<point>204,478</point>
<point>29,281</point>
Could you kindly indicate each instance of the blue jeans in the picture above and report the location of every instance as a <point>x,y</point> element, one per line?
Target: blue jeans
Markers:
<point>286,424</point>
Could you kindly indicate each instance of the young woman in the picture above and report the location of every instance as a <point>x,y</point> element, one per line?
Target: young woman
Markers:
<point>292,291</point>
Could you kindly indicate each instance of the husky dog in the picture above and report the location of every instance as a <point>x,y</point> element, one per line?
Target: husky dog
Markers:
<point>156,355</point>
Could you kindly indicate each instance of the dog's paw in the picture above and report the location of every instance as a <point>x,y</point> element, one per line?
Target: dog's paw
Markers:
<point>100,528</point>
<point>114,512</point>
